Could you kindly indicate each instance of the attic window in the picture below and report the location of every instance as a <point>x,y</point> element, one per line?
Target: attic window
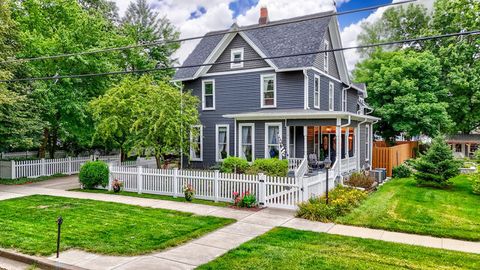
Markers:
<point>236,58</point>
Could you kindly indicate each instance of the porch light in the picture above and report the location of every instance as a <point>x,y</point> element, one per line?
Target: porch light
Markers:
<point>327,163</point>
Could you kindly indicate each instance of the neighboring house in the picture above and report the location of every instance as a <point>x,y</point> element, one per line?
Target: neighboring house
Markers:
<point>306,104</point>
<point>464,145</point>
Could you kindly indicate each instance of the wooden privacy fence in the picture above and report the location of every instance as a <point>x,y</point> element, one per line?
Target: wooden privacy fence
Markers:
<point>45,167</point>
<point>277,192</point>
<point>390,157</point>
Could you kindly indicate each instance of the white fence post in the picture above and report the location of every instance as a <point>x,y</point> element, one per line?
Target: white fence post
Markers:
<point>44,171</point>
<point>262,191</point>
<point>110,177</point>
<point>13,169</point>
<point>215,183</point>
<point>70,166</point>
<point>139,179</point>
<point>304,188</point>
<point>175,182</point>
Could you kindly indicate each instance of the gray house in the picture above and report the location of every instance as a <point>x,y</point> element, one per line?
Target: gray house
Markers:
<point>302,105</point>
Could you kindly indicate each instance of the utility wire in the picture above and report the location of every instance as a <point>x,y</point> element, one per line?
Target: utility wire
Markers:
<point>212,34</point>
<point>474,32</point>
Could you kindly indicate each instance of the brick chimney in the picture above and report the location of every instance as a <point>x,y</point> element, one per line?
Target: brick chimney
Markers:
<point>263,16</point>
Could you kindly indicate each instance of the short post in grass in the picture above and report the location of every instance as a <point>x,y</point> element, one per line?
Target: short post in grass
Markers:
<point>327,163</point>
<point>59,223</point>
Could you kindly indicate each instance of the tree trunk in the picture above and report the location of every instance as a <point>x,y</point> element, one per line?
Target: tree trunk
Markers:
<point>159,159</point>
<point>43,147</point>
<point>53,143</point>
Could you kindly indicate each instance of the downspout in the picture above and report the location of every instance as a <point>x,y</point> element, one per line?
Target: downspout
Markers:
<point>305,90</point>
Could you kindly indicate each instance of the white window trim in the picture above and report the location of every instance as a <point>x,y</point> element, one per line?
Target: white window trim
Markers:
<point>316,102</point>
<point>203,95</point>
<point>217,127</point>
<point>201,143</point>
<point>274,90</point>
<point>240,139</point>
<point>344,100</point>
<point>331,96</point>
<point>326,46</point>
<point>267,125</point>
<point>367,142</point>
<point>233,52</point>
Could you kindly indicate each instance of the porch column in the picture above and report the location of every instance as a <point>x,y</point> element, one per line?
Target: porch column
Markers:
<point>339,145</point>
<point>357,146</point>
<point>287,138</point>
<point>347,154</point>
<point>305,139</point>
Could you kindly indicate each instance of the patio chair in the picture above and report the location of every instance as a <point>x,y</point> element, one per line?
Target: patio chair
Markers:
<point>313,162</point>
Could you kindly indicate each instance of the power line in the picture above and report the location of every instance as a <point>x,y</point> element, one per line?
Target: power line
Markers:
<point>212,34</point>
<point>474,32</point>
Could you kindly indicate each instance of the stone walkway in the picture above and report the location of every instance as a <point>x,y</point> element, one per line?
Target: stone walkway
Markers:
<point>202,250</point>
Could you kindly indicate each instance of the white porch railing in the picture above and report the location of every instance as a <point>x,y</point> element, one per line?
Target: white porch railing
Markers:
<point>294,163</point>
<point>348,164</point>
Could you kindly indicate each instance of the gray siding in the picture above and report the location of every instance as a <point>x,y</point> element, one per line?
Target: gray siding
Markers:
<point>238,93</point>
<point>324,85</point>
<point>332,64</point>
<point>249,53</point>
<point>352,98</point>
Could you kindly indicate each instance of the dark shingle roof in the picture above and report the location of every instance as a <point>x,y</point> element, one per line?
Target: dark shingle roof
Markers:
<point>285,39</point>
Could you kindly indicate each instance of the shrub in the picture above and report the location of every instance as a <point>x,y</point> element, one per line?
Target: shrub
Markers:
<point>362,180</point>
<point>476,183</point>
<point>342,200</point>
<point>245,200</point>
<point>269,166</point>
<point>93,174</point>
<point>401,171</point>
<point>234,165</point>
<point>437,166</point>
<point>189,192</point>
<point>476,156</point>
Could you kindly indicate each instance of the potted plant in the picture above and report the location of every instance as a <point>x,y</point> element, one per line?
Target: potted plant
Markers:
<point>189,192</point>
<point>117,186</point>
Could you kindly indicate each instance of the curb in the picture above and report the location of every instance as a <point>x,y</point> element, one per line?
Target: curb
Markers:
<point>38,261</point>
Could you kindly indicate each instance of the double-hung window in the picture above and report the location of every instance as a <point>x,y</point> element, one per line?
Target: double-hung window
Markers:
<point>326,47</point>
<point>246,141</point>
<point>268,91</point>
<point>316,92</point>
<point>331,96</point>
<point>344,100</point>
<point>208,95</point>
<point>222,141</point>
<point>236,57</point>
<point>196,143</point>
<point>273,138</point>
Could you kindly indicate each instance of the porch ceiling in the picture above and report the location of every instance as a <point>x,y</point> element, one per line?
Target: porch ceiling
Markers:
<point>274,114</point>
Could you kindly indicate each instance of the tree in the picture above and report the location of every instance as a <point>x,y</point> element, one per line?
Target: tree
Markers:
<point>163,117</point>
<point>459,56</point>
<point>404,89</point>
<point>50,27</point>
<point>437,166</point>
<point>142,24</point>
<point>114,116</point>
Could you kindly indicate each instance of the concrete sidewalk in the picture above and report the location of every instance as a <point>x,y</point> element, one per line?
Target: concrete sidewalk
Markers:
<point>202,250</point>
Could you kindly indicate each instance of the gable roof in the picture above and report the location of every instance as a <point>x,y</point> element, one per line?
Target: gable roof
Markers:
<point>283,39</point>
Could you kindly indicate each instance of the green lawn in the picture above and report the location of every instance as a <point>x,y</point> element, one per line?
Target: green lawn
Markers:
<point>400,205</point>
<point>153,196</point>
<point>29,225</point>
<point>24,180</point>
<point>283,248</point>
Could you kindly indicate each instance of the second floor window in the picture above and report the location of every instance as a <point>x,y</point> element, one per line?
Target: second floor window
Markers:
<point>236,58</point>
<point>331,96</point>
<point>268,91</point>
<point>316,92</point>
<point>326,47</point>
<point>208,95</point>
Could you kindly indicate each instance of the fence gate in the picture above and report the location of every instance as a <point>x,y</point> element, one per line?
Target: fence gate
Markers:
<point>282,192</point>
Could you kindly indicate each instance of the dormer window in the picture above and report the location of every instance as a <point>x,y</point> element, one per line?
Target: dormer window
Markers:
<point>236,58</point>
<point>326,47</point>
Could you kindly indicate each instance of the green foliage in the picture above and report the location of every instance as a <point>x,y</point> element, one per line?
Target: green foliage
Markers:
<point>359,179</point>
<point>234,165</point>
<point>342,200</point>
<point>405,90</point>
<point>93,174</point>
<point>269,166</point>
<point>401,171</point>
<point>437,166</point>
<point>475,178</point>
<point>246,199</point>
<point>189,192</point>
<point>476,156</point>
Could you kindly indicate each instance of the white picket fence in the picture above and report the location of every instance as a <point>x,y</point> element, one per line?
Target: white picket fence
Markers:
<point>277,192</point>
<point>47,167</point>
